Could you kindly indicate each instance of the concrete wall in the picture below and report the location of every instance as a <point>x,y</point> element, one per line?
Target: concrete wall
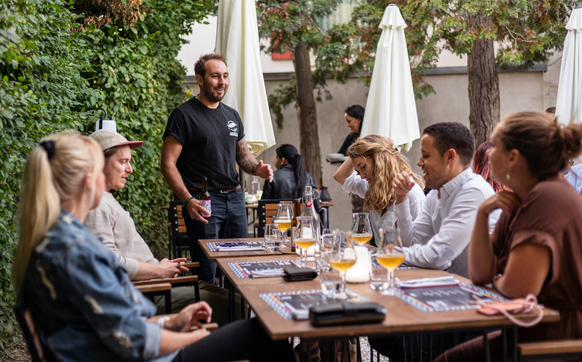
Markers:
<point>528,90</point>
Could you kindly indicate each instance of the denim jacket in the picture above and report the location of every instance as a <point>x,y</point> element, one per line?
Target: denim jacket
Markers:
<point>83,302</point>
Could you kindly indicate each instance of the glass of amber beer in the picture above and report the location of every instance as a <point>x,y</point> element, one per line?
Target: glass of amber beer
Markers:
<point>343,257</point>
<point>390,256</point>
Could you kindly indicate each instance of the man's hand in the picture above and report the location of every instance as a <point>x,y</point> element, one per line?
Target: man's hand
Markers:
<point>169,269</point>
<point>402,185</point>
<point>189,317</point>
<point>180,262</point>
<point>264,171</point>
<point>195,210</point>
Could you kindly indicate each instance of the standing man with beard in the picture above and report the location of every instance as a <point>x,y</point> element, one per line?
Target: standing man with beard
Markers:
<point>205,138</point>
<point>439,236</point>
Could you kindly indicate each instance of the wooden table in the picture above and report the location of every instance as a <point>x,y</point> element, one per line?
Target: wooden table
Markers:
<point>214,255</point>
<point>401,318</point>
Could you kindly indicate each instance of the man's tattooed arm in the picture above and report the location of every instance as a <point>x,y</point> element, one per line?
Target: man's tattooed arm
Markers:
<point>244,158</point>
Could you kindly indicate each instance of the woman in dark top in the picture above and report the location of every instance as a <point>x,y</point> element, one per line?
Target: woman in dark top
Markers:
<point>354,117</point>
<point>290,179</point>
<point>535,248</point>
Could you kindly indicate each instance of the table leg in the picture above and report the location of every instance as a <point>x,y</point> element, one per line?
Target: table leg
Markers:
<point>486,347</point>
<point>231,302</point>
<point>168,299</point>
<point>504,341</point>
<point>242,307</point>
<point>359,351</point>
<point>514,343</point>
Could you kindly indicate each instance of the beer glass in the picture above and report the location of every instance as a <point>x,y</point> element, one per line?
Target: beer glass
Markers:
<point>390,256</point>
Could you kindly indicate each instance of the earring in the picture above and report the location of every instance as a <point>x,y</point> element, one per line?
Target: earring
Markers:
<point>508,176</point>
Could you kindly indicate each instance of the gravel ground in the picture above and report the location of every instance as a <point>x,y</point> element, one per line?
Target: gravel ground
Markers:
<point>19,353</point>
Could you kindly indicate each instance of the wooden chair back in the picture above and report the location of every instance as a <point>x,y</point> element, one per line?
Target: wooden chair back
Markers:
<point>268,209</point>
<point>178,238</point>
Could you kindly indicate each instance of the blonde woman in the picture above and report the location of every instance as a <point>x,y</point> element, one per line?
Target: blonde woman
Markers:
<point>369,172</point>
<point>80,297</point>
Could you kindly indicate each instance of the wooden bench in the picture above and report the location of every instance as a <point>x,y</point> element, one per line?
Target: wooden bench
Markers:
<point>152,290</point>
<point>550,349</point>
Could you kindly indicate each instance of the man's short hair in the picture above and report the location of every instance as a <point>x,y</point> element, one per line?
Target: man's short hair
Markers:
<point>551,110</point>
<point>453,135</point>
<point>200,65</point>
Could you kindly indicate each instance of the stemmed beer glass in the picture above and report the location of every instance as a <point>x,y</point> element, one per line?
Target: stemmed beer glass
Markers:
<point>361,228</point>
<point>390,256</point>
<point>284,218</point>
<point>342,257</point>
<point>305,236</point>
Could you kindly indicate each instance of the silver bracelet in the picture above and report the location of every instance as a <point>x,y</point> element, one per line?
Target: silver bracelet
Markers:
<point>162,321</point>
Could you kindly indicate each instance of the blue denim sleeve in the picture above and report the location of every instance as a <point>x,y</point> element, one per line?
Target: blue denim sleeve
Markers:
<point>111,305</point>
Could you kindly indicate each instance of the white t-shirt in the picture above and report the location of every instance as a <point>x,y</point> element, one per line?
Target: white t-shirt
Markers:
<point>357,185</point>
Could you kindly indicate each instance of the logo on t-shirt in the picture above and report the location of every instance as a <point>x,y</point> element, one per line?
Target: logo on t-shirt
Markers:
<point>233,128</point>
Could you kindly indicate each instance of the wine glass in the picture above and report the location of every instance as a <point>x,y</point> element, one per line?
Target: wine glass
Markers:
<point>305,236</point>
<point>390,256</point>
<point>361,228</point>
<point>343,257</point>
<point>284,218</point>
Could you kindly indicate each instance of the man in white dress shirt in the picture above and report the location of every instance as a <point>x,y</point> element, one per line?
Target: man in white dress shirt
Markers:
<point>439,236</point>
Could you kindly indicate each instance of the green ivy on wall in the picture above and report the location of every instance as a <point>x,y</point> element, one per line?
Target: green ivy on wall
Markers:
<point>53,66</point>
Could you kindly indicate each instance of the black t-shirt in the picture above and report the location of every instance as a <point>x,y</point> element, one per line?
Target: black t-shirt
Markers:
<point>209,138</point>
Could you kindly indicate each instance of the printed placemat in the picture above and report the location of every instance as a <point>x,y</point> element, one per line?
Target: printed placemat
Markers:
<point>246,268</point>
<point>448,298</point>
<point>296,304</point>
<point>215,245</point>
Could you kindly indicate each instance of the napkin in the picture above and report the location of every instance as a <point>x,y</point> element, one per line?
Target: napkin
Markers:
<point>266,273</point>
<point>428,282</point>
<point>239,248</point>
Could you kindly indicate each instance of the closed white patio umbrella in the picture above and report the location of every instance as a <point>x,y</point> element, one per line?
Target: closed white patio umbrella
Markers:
<point>569,102</point>
<point>237,38</point>
<point>391,108</point>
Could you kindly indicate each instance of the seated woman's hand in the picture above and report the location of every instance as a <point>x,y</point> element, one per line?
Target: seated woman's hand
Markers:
<point>189,317</point>
<point>504,200</point>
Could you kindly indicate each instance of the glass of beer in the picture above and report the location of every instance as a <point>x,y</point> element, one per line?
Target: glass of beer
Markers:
<point>361,228</point>
<point>305,236</point>
<point>390,256</point>
<point>284,218</point>
<point>343,257</point>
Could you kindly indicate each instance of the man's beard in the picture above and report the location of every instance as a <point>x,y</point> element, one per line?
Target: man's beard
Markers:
<point>209,95</point>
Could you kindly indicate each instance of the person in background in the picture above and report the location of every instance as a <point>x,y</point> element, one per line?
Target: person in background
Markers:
<point>354,116</point>
<point>81,299</point>
<point>536,247</point>
<point>481,165</point>
<point>205,138</point>
<point>369,171</point>
<point>290,179</point>
<point>116,229</point>
<point>574,177</point>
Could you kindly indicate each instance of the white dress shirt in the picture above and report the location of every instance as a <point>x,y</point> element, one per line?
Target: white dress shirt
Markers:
<point>438,238</point>
<point>357,185</point>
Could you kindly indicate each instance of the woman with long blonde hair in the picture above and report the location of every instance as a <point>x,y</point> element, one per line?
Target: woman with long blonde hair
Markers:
<point>369,172</point>
<point>82,301</point>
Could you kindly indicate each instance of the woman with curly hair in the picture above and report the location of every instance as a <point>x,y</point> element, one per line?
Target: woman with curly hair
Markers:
<point>369,172</point>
